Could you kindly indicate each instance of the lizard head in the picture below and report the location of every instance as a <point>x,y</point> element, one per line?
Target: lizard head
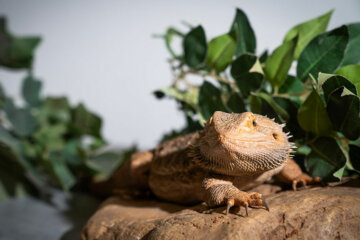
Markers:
<point>243,143</point>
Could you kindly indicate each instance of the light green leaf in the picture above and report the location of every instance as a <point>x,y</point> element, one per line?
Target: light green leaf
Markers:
<point>306,31</point>
<point>195,47</point>
<point>323,54</point>
<point>279,62</point>
<point>106,162</point>
<point>246,41</point>
<point>351,73</point>
<point>312,115</point>
<point>189,96</point>
<point>220,51</point>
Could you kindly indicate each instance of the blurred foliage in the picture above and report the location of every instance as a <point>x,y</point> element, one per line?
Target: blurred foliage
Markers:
<point>46,140</point>
<point>311,82</point>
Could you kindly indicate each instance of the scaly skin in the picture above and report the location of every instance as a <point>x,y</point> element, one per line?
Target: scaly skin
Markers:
<point>234,152</point>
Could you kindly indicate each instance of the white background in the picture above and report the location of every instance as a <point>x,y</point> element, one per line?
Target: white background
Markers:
<point>102,52</point>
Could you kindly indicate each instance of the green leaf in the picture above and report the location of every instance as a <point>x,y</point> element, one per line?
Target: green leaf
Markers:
<point>335,82</point>
<point>54,110</point>
<point>262,107</point>
<point>343,108</point>
<point>281,113</point>
<point>323,54</point>
<point>31,91</point>
<point>60,170</point>
<point>106,162</point>
<point>16,52</point>
<point>220,51</point>
<point>236,103</point>
<point>21,119</point>
<point>312,115</point>
<point>292,85</point>
<point>354,154</point>
<point>352,73</point>
<point>279,62</point>
<point>86,122</point>
<point>325,159</point>
<point>195,47</point>
<point>245,80</point>
<point>51,137</point>
<point>306,31</point>
<point>352,53</point>
<point>246,41</point>
<point>189,96</point>
<point>210,100</point>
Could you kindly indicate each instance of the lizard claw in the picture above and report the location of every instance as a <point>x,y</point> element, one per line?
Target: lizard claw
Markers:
<point>305,180</point>
<point>247,200</point>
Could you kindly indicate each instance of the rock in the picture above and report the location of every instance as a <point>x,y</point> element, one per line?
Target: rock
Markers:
<point>314,213</point>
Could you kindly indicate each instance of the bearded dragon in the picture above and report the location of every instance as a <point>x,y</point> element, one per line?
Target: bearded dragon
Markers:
<point>232,154</point>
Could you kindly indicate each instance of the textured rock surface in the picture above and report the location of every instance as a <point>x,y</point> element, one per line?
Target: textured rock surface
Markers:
<point>316,213</point>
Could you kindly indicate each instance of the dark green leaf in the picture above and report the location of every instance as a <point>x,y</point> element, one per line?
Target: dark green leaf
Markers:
<point>323,54</point>
<point>262,107</point>
<point>325,159</point>
<point>245,80</point>
<point>312,115</point>
<point>236,103</point>
<point>352,73</point>
<point>16,52</point>
<point>60,170</point>
<point>281,113</point>
<point>195,47</point>
<point>352,53</point>
<point>31,91</point>
<point>343,108</point>
<point>306,31</point>
<point>220,51</point>
<point>292,124</point>
<point>21,119</point>
<point>279,62</point>
<point>335,82</point>
<point>86,122</point>
<point>264,56</point>
<point>292,85</point>
<point>210,100</point>
<point>354,154</point>
<point>246,41</point>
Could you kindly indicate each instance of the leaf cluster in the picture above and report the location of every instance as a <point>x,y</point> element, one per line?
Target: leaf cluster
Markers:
<point>311,82</point>
<point>45,140</point>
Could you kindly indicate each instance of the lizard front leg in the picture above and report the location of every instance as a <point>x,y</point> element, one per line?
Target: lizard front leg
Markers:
<point>219,192</point>
<point>292,174</point>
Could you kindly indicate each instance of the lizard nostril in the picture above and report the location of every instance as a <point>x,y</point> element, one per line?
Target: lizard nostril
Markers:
<point>275,136</point>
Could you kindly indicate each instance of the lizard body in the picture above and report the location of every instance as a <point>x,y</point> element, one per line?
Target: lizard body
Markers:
<point>233,153</point>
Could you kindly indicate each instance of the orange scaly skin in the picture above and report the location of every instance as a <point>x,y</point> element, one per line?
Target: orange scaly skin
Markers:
<point>234,152</point>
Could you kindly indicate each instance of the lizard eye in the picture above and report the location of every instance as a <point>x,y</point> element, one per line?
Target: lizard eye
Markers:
<point>254,123</point>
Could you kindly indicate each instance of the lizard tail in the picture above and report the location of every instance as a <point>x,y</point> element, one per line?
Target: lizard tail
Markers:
<point>133,175</point>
